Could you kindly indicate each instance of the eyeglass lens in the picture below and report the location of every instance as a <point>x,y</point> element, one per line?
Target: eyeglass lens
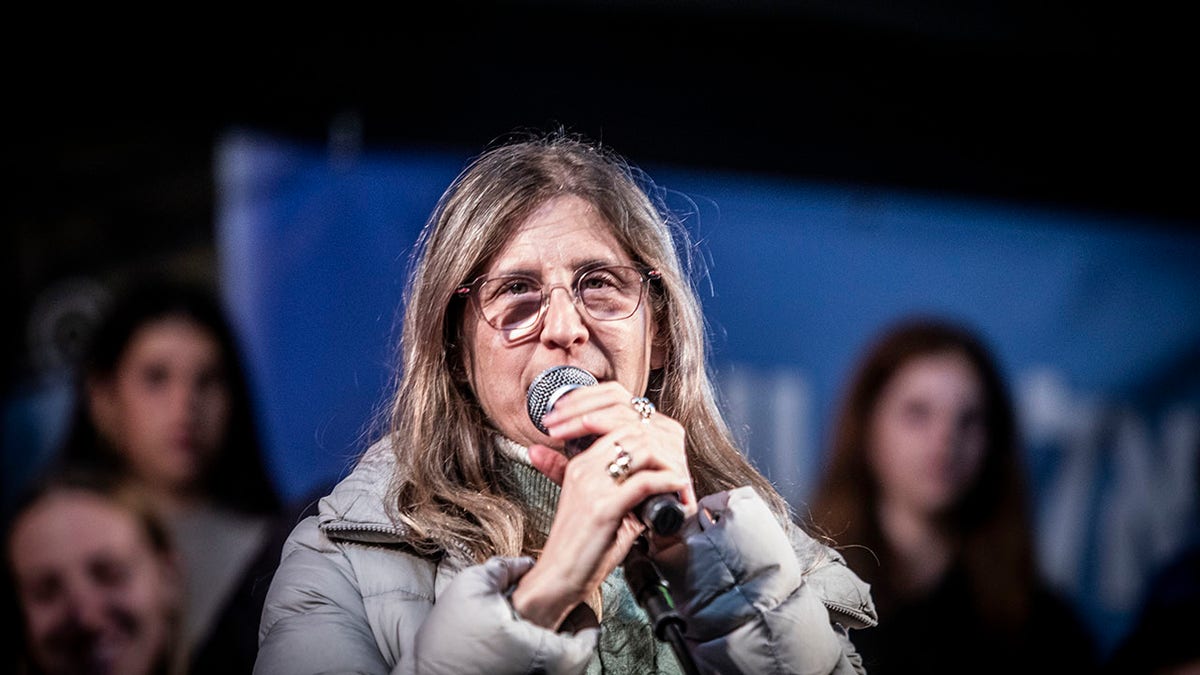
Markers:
<point>607,294</point>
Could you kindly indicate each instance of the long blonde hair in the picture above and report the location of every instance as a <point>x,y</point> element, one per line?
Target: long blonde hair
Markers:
<point>447,489</point>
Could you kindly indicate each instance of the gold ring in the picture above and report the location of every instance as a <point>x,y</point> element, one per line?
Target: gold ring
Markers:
<point>619,468</point>
<point>644,407</point>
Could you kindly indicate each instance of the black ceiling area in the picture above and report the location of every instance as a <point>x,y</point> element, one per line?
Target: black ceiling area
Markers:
<point>112,121</point>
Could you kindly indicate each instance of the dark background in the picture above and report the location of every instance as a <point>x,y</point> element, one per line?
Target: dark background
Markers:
<point>113,119</point>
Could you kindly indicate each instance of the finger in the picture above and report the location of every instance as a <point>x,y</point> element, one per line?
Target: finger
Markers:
<point>646,482</point>
<point>551,462</point>
<point>655,446</point>
<point>599,420</point>
<point>587,400</point>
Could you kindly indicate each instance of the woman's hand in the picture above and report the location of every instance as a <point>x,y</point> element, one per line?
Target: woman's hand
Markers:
<point>594,526</point>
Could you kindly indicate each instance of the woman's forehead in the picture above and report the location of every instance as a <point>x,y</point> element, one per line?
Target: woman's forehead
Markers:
<point>564,233</point>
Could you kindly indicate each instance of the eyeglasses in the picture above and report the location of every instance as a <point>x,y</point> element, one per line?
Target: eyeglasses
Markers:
<point>517,304</point>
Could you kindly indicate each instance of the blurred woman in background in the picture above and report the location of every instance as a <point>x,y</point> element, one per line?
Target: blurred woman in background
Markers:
<point>164,402</point>
<point>926,490</point>
<point>95,579</point>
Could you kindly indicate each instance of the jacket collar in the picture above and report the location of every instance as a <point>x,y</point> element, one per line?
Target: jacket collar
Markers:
<point>358,508</point>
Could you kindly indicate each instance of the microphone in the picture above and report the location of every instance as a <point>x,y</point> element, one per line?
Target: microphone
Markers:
<point>662,513</point>
<point>544,392</point>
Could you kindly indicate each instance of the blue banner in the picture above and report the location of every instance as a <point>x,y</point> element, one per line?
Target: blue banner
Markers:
<point>1095,321</point>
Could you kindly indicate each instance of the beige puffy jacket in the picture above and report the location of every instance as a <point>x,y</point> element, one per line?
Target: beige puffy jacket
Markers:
<point>349,598</point>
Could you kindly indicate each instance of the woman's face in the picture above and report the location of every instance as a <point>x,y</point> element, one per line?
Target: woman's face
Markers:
<point>562,236</point>
<point>167,405</point>
<point>96,596</point>
<point>927,433</point>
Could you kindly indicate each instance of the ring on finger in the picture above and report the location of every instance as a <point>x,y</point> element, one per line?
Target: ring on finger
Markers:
<point>619,468</point>
<point>644,407</point>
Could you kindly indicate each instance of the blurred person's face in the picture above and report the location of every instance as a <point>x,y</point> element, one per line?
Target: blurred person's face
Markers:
<point>95,595</point>
<point>561,237</point>
<point>928,435</point>
<point>167,405</point>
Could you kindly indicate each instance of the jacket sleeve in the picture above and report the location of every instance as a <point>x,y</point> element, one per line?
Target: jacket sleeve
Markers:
<point>741,585</point>
<point>314,620</point>
<point>474,610</point>
<point>322,616</point>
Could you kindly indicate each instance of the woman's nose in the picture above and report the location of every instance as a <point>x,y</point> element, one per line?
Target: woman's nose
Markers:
<point>87,607</point>
<point>564,321</point>
<point>183,398</point>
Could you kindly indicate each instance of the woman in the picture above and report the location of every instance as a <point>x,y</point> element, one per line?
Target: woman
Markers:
<point>95,578</point>
<point>466,542</point>
<point>163,401</point>
<point>925,489</point>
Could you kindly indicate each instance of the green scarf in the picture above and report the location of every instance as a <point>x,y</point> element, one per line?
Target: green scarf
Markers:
<point>627,645</point>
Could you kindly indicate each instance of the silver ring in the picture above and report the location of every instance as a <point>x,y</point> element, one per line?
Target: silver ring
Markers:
<point>644,408</point>
<point>619,468</point>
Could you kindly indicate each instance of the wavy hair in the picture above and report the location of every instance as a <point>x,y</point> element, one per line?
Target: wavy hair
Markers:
<point>449,493</point>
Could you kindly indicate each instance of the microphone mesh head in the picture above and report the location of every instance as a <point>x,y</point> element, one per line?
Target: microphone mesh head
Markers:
<point>549,385</point>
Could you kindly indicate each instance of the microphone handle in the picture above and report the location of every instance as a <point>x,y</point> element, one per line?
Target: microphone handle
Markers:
<point>662,513</point>
<point>651,592</point>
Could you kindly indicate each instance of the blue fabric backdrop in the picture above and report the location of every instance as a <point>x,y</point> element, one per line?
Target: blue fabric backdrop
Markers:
<point>1095,321</point>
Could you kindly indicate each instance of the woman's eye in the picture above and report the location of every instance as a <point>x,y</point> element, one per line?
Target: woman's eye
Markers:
<point>154,375</point>
<point>213,378</point>
<point>916,412</point>
<point>971,420</point>
<point>109,573</point>
<point>595,281</point>
<point>599,279</point>
<point>43,589</point>
<point>517,287</point>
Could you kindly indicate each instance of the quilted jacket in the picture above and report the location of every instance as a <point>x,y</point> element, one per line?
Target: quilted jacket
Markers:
<point>350,597</point>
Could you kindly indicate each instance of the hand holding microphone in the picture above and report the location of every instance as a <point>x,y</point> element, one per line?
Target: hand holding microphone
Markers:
<point>662,513</point>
